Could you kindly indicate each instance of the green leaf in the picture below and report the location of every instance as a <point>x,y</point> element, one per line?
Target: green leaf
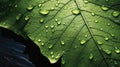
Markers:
<point>84,33</point>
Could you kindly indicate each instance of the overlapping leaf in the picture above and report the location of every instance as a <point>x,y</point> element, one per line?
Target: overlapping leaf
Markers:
<point>83,33</point>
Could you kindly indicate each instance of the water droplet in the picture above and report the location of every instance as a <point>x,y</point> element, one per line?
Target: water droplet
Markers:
<point>52,8</point>
<point>108,52</point>
<point>108,24</point>
<point>52,26</point>
<point>104,8</point>
<point>76,11</point>
<point>42,44</point>
<point>51,52</point>
<point>27,18</point>
<point>117,50</point>
<point>46,27</point>
<point>112,35</point>
<point>106,38</point>
<point>99,42</point>
<point>18,16</point>
<point>85,1</point>
<point>115,13</point>
<point>57,57</point>
<point>44,12</point>
<point>86,36</point>
<point>39,40</point>
<point>82,42</point>
<point>50,46</point>
<point>96,21</point>
<point>41,20</point>
<point>39,5</point>
<point>93,14</point>
<point>63,61</point>
<point>29,8</point>
<point>62,42</point>
<point>52,56</point>
<point>57,5</point>
<point>91,56</point>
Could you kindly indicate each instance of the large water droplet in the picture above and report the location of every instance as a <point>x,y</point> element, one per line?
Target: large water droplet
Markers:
<point>115,13</point>
<point>76,11</point>
<point>44,12</point>
<point>91,56</point>
<point>108,52</point>
<point>29,8</point>
<point>82,42</point>
<point>117,50</point>
<point>104,8</point>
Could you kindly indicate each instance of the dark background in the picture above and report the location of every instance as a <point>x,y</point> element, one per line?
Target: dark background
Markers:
<point>31,49</point>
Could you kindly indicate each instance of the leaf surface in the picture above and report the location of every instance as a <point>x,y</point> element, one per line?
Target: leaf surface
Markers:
<point>84,33</point>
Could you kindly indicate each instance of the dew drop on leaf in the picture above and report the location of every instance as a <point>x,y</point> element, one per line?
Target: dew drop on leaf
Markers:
<point>76,11</point>
<point>27,18</point>
<point>18,16</point>
<point>99,42</point>
<point>52,8</point>
<point>108,52</point>
<point>96,21</point>
<point>39,5</point>
<point>29,8</point>
<point>50,46</point>
<point>51,52</point>
<point>52,26</point>
<point>106,38</point>
<point>104,8</point>
<point>41,20</point>
<point>46,26</point>
<point>82,42</point>
<point>93,14</point>
<point>59,22</point>
<point>42,44</point>
<point>117,50</point>
<point>85,1</point>
<point>44,12</point>
<point>39,40</point>
<point>115,13</point>
<point>91,56</point>
<point>62,42</point>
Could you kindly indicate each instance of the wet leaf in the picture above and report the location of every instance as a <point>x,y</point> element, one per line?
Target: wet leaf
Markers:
<point>84,33</point>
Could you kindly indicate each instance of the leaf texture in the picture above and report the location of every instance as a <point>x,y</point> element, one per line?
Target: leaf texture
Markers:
<point>84,33</point>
